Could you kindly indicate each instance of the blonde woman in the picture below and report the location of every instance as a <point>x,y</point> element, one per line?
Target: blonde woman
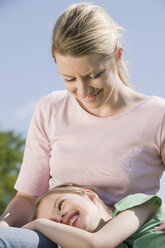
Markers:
<point>100,132</point>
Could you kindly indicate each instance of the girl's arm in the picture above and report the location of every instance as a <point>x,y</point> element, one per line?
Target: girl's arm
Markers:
<point>109,236</point>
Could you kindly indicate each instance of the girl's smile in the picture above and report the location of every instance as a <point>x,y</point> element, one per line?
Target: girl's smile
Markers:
<point>82,211</point>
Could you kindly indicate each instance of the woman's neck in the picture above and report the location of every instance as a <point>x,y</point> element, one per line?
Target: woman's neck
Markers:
<point>121,99</point>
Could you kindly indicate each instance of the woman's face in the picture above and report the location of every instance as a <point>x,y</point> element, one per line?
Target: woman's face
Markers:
<point>90,79</point>
<point>70,209</point>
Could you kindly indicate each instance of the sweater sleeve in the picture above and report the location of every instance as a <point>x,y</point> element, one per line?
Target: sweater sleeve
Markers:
<point>134,201</point>
<point>34,174</point>
<point>162,140</point>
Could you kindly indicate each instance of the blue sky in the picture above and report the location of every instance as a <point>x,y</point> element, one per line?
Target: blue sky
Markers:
<point>28,72</point>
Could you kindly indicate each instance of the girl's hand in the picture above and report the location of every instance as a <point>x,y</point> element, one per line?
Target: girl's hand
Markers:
<point>161,227</point>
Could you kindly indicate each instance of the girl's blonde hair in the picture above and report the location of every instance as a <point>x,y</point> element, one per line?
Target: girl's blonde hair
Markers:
<point>85,29</point>
<point>63,189</point>
<point>68,188</point>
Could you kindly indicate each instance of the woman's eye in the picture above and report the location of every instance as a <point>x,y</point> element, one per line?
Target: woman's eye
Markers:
<point>60,205</point>
<point>95,76</point>
<point>69,79</point>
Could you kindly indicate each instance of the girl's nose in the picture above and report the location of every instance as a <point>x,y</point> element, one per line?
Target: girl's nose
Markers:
<point>60,218</point>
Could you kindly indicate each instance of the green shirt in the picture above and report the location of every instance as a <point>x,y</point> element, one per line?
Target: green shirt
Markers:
<point>146,236</point>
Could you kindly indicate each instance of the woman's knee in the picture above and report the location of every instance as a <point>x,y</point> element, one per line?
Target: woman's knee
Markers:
<point>11,237</point>
<point>3,237</point>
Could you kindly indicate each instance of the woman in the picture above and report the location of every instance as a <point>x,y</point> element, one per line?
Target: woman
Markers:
<point>99,132</point>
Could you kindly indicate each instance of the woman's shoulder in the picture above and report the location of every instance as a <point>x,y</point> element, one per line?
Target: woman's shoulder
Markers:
<point>55,96</point>
<point>157,101</point>
<point>154,105</point>
<point>52,102</point>
<point>55,99</point>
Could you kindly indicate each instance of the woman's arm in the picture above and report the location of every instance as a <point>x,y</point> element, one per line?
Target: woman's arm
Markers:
<point>110,235</point>
<point>20,208</point>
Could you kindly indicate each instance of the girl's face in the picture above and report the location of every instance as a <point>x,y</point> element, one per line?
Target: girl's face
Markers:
<point>89,79</point>
<point>71,209</point>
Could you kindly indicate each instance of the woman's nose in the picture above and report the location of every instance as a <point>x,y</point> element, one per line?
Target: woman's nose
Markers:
<point>83,88</point>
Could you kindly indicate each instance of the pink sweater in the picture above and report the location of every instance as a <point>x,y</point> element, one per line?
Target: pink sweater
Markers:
<point>116,156</point>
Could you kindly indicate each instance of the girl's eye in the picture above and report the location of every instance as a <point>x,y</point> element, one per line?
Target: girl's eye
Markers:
<point>60,205</point>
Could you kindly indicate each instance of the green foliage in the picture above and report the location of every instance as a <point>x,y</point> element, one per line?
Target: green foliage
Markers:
<point>11,153</point>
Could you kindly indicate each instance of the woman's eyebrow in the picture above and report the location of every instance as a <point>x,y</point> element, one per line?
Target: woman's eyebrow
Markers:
<point>66,75</point>
<point>87,74</point>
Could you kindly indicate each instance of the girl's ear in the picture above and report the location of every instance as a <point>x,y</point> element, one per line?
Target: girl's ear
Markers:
<point>91,195</point>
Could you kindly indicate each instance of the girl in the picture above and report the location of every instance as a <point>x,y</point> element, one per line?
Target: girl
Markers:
<point>74,216</point>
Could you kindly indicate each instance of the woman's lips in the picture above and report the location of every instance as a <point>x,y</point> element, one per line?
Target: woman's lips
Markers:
<point>91,98</point>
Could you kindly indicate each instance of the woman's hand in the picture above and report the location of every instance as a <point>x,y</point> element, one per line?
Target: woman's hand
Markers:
<point>3,223</point>
<point>161,227</point>
<point>21,207</point>
<point>3,219</point>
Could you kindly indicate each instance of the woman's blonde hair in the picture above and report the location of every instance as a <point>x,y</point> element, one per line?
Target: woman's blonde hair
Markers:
<point>85,29</point>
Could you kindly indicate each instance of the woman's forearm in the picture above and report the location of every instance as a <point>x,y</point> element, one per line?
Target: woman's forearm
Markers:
<point>20,208</point>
